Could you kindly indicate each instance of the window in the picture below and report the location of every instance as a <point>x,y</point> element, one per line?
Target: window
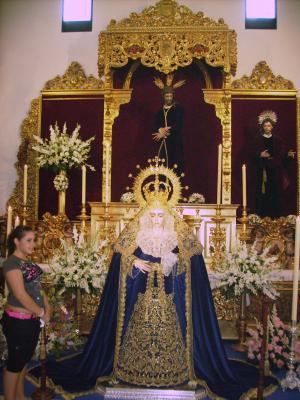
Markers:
<point>261,14</point>
<point>77,15</point>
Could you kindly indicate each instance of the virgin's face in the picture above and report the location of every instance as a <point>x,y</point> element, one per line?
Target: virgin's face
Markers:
<point>157,218</point>
<point>267,127</point>
<point>26,244</point>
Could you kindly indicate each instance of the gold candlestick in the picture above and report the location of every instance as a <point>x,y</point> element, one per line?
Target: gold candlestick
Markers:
<point>194,221</point>
<point>44,392</point>
<point>241,325</point>
<point>25,214</point>
<point>217,238</point>
<point>244,236</point>
<point>83,217</point>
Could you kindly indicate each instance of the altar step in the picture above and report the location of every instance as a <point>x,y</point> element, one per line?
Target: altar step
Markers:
<point>133,393</point>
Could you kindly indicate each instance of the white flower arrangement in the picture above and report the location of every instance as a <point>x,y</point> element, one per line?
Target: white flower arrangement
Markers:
<point>196,198</point>
<point>61,182</point>
<point>61,151</point>
<point>80,265</point>
<point>127,197</point>
<point>246,271</point>
<point>254,219</point>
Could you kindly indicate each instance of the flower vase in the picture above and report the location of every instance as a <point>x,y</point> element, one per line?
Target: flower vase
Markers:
<point>61,202</point>
<point>61,184</point>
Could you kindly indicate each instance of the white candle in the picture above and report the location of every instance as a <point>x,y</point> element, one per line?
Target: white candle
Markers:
<point>25,178</point>
<point>296,271</point>
<point>83,194</point>
<point>17,221</point>
<point>219,180</point>
<point>244,181</point>
<point>106,173</point>
<point>9,221</point>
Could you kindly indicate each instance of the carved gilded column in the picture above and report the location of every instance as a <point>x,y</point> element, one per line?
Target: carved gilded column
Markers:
<point>30,126</point>
<point>113,99</point>
<point>221,99</point>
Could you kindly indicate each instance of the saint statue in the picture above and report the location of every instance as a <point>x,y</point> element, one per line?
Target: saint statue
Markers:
<point>271,160</point>
<point>167,126</point>
<point>156,324</point>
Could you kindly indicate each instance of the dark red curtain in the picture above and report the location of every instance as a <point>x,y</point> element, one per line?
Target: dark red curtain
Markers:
<point>244,128</point>
<point>132,140</point>
<point>88,112</point>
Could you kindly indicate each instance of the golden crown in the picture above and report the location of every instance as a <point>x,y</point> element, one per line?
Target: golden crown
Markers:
<point>157,191</point>
<point>164,189</point>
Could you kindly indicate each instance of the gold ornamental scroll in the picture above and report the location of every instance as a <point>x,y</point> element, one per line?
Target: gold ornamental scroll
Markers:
<point>167,36</point>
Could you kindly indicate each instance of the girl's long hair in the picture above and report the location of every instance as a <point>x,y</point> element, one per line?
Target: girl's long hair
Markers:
<point>18,233</point>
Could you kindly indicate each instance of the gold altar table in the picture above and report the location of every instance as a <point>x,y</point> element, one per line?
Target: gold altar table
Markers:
<point>114,216</point>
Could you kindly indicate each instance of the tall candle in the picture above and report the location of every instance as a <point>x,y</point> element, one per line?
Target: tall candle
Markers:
<point>25,178</point>
<point>296,271</point>
<point>17,221</point>
<point>83,193</point>
<point>106,173</point>
<point>244,181</point>
<point>219,181</point>
<point>9,221</point>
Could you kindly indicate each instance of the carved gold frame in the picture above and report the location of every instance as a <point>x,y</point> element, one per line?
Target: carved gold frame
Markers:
<point>167,36</point>
<point>263,82</point>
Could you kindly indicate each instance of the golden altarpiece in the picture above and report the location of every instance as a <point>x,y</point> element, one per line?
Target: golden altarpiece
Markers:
<point>164,38</point>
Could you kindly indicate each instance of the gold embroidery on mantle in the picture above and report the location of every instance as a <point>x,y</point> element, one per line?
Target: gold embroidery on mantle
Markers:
<point>167,36</point>
<point>74,79</point>
<point>153,350</point>
<point>188,244</point>
<point>262,78</point>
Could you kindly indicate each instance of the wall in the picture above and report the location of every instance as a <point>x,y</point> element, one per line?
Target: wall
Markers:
<point>33,50</point>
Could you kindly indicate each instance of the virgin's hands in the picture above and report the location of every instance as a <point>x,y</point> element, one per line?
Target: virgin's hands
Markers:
<point>142,266</point>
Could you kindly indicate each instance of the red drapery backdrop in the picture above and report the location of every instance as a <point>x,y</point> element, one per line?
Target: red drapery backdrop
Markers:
<point>132,140</point>
<point>245,126</point>
<point>88,112</point>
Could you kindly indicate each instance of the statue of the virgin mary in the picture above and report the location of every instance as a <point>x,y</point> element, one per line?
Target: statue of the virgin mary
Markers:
<point>156,325</point>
